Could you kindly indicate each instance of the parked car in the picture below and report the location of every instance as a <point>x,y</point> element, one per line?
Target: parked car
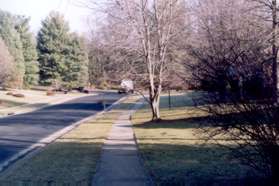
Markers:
<point>126,86</point>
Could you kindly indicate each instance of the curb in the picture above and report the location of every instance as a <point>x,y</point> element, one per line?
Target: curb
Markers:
<point>52,137</point>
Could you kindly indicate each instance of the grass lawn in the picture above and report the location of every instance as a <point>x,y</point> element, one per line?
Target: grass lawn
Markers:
<point>71,159</point>
<point>175,153</point>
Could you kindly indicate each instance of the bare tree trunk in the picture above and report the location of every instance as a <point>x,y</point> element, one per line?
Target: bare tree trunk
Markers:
<point>154,100</point>
<point>274,48</point>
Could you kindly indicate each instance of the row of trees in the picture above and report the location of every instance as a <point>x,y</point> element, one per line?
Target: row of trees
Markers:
<point>57,57</point>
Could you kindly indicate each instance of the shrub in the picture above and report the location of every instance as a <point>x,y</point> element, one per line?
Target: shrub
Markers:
<point>18,95</point>
<point>9,93</point>
<point>50,93</point>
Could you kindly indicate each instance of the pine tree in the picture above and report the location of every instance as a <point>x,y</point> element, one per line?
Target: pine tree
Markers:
<point>53,39</point>
<point>12,39</point>
<point>83,77</point>
<point>62,56</point>
<point>76,71</point>
<point>31,76</point>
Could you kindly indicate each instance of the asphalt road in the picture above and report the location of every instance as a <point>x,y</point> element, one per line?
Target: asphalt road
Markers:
<point>21,131</point>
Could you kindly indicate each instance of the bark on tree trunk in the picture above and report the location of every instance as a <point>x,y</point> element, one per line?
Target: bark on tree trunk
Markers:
<point>274,48</point>
<point>154,98</point>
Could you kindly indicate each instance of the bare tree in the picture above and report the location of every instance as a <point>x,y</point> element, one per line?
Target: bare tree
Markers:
<point>274,47</point>
<point>229,44</point>
<point>109,62</point>
<point>232,51</point>
<point>141,33</point>
<point>267,10</point>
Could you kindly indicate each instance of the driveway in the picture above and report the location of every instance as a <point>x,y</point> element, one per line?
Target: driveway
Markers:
<point>21,131</point>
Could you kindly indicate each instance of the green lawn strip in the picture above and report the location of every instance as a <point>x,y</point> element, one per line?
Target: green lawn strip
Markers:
<point>72,158</point>
<point>175,152</point>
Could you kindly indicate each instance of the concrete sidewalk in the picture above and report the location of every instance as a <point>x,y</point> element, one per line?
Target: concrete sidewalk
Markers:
<point>120,164</point>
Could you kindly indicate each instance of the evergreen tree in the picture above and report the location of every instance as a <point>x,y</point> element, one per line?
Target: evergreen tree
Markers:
<point>53,41</point>
<point>31,76</point>
<point>6,63</point>
<point>62,56</point>
<point>76,71</point>
<point>83,77</point>
<point>12,39</point>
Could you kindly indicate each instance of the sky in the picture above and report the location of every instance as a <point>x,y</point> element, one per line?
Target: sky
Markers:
<point>77,16</point>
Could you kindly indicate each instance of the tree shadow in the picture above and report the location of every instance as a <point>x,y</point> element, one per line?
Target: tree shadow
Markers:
<point>196,165</point>
<point>193,122</point>
<point>72,163</point>
<point>60,163</point>
<point>223,120</point>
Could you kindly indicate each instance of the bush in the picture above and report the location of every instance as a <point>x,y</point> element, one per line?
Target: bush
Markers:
<point>18,95</point>
<point>9,93</point>
<point>103,85</point>
<point>50,93</point>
